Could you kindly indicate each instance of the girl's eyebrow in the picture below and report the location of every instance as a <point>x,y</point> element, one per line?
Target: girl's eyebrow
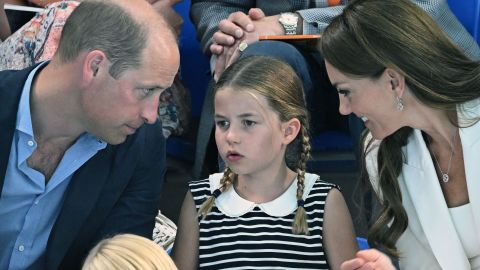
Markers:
<point>243,115</point>
<point>247,115</point>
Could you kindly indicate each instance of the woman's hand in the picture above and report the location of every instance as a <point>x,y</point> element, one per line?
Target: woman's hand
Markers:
<point>369,259</point>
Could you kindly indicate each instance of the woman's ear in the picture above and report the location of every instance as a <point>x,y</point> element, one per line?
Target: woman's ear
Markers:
<point>396,81</point>
<point>290,129</point>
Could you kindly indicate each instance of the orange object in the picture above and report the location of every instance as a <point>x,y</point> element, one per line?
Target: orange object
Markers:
<point>334,2</point>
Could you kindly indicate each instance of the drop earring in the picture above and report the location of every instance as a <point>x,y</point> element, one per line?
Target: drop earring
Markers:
<point>399,104</point>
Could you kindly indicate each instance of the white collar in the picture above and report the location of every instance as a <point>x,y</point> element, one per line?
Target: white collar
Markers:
<point>232,205</point>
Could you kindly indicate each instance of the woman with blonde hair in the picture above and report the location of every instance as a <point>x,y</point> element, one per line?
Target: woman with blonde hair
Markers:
<point>130,252</point>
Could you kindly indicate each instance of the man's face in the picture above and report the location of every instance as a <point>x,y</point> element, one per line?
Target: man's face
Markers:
<point>116,108</point>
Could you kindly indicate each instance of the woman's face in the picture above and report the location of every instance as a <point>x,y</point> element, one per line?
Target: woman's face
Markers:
<point>372,100</point>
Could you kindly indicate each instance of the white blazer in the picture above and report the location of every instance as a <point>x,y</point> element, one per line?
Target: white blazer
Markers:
<point>430,240</point>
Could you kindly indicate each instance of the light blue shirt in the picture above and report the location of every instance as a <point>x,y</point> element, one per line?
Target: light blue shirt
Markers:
<point>28,206</point>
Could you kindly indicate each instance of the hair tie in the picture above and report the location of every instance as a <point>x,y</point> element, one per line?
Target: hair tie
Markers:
<point>300,203</point>
<point>216,193</point>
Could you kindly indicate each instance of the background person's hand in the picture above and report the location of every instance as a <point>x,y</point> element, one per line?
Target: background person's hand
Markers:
<point>265,25</point>
<point>238,25</point>
<point>238,28</point>
<point>232,53</point>
<point>230,30</point>
<point>369,259</point>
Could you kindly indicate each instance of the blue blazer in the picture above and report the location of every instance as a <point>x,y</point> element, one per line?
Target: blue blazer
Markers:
<point>116,191</point>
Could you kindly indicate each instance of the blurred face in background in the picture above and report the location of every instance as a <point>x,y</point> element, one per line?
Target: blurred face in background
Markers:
<point>165,8</point>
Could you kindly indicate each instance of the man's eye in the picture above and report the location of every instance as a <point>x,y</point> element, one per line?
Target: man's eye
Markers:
<point>147,91</point>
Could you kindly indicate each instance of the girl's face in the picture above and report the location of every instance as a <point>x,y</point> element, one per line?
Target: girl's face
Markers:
<point>374,101</point>
<point>249,135</point>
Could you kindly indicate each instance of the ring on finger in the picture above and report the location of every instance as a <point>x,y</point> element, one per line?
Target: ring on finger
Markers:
<point>242,46</point>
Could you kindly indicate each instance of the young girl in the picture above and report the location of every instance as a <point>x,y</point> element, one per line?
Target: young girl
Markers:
<point>264,211</point>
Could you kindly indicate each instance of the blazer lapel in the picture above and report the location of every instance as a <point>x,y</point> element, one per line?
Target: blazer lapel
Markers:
<point>82,194</point>
<point>470,138</point>
<point>11,86</point>
<point>420,182</point>
<point>7,128</point>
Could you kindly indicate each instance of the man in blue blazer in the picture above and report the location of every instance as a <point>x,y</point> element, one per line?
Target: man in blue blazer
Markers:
<point>76,162</point>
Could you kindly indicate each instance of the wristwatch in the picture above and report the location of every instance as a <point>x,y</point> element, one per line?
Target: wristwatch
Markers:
<point>289,22</point>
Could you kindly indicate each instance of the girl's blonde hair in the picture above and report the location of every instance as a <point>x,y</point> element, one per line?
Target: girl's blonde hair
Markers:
<point>128,252</point>
<point>283,90</point>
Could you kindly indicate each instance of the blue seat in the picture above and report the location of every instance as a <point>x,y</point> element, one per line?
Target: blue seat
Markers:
<point>195,67</point>
<point>362,243</point>
<point>468,13</point>
<point>195,74</point>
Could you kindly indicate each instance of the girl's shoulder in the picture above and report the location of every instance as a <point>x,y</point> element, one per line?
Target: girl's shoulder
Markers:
<point>210,183</point>
<point>313,182</point>
<point>201,189</point>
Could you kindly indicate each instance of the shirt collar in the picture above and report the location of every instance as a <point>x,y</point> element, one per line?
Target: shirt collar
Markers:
<point>232,205</point>
<point>24,117</point>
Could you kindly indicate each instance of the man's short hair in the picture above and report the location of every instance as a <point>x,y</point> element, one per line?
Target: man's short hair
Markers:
<point>104,26</point>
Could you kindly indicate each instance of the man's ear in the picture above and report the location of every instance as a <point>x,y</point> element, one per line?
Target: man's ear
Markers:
<point>396,81</point>
<point>95,62</point>
<point>291,128</point>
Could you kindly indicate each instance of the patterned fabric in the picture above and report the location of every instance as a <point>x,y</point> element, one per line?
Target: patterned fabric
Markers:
<point>258,240</point>
<point>38,40</point>
<point>174,109</point>
<point>206,15</point>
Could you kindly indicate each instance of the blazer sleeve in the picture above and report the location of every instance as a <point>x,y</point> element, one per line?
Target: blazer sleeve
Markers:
<point>441,13</point>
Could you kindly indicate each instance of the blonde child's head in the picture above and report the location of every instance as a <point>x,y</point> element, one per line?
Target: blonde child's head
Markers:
<point>279,85</point>
<point>128,252</point>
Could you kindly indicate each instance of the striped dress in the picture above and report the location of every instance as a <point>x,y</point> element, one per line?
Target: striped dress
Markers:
<point>239,234</point>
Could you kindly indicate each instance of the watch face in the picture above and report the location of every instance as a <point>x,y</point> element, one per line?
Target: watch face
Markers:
<point>289,19</point>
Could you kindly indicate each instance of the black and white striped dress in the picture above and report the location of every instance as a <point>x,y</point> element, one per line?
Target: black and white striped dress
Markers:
<point>239,234</point>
